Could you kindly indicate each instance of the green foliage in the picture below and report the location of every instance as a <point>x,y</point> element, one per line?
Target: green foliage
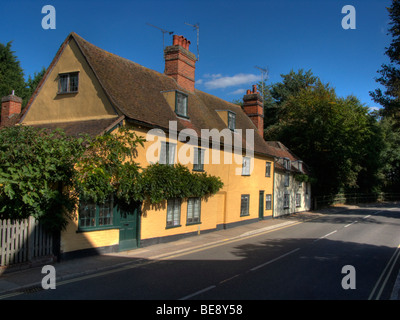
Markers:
<point>160,182</point>
<point>108,166</point>
<point>331,134</point>
<point>12,76</point>
<point>43,173</point>
<point>36,174</point>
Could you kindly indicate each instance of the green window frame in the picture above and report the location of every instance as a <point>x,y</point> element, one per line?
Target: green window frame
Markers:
<point>244,205</point>
<point>193,211</point>
<point>96,216</point>
<point>198,161</point>
<point>173,213</point>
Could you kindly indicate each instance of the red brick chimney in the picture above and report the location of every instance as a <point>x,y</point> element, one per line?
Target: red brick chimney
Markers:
<point>253,107</point>
<point>10,106</point>
<point>180,63</point>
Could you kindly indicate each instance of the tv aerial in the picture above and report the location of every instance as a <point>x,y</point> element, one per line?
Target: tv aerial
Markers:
<point>162,30</point>
<point>197,28</point>
<point>263,71</point>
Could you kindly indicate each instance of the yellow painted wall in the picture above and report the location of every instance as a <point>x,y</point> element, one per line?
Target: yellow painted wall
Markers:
<point>222,208</point>
<point>90,102</point>
<point>73,241</point>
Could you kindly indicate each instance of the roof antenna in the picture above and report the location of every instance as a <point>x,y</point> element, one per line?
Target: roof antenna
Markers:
<point>197,27</point>
<point>263,71</point>
<point>163,32</point>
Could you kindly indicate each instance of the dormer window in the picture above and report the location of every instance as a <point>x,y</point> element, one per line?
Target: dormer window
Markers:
<point>68,82</point>
<point>181,104</point>
<point>286,163</point>
<point>231,120</point>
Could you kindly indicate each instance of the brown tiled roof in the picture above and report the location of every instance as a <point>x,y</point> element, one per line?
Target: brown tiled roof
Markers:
<point>136,92</point>
<point>90,127</point>
<point>279,150</point>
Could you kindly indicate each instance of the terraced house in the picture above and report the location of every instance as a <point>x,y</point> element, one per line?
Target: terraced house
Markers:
<point>89,90</point>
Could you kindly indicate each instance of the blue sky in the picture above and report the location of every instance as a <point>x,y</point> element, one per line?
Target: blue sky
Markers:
<point>235,36</point>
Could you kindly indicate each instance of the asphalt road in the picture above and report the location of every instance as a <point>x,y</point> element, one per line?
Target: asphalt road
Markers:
<point>303,261</point>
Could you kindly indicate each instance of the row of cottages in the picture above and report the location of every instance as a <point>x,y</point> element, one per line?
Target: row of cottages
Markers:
<point>89,90</point>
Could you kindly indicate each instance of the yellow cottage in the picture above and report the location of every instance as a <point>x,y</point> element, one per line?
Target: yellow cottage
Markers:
<point>89,90</point>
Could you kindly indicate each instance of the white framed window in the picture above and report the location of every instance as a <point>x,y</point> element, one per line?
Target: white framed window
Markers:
<point>244,205</point>
<point>286,200</point>
<point>286,163</point>
<point>287,180</point>
<point>181,104</point>
<point>231,120</point>
<point>246,166</point>
<point>268,201</point>
<point>173,213</point>
<point>193,211</point>
<point>198,163</point>
<point>267,169</point>
<point>167,153</point>
<point>298,200</point>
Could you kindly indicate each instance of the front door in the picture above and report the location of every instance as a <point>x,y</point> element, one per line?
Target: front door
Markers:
<point>261,205</point>
<point>129,228</point>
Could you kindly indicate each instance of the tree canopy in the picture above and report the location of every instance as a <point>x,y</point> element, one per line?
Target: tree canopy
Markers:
<point>328,132</point>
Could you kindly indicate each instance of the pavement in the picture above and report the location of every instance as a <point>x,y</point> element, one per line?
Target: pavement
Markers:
<point>14,281</point>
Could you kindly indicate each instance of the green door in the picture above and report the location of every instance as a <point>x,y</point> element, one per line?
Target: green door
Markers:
<point>261,205</point>
<point>129,228</point>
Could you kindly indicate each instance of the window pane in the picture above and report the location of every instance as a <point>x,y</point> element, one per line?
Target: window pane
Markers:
<point>198,163</point>
<point>231,120</point>
<point>163,153</point>
<point>105,213</point>
<point>181,104</point>
<point>246,166</point>
<point>244,205</point>
<point>87,215</point>
<point>171,153</point>
<point>268,169</point>
<point>63,85</point>
<point>73,82</point>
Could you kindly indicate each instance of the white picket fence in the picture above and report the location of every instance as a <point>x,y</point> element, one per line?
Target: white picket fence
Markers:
<point>23,241</point>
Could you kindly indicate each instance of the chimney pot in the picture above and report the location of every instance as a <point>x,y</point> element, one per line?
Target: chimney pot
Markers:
<point>179,63</point>
<point>254,88</point>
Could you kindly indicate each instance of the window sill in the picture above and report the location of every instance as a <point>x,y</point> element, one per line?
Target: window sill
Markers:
<point>172,227</point>
<point>90,229</point>
<point>192,223</point>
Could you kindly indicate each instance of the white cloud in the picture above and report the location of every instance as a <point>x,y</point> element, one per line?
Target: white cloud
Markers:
<point>238,91</point>
<point>218,81</point>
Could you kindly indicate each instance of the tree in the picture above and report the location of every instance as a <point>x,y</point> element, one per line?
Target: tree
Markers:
<point>389,98</point>
<point>327,132</point>
<point>37,175</point>
<point>11,73</point>
<point>390,73</point>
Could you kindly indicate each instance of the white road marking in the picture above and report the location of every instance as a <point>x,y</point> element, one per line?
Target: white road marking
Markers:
<point>328,234</point>
<point>273,260</point>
